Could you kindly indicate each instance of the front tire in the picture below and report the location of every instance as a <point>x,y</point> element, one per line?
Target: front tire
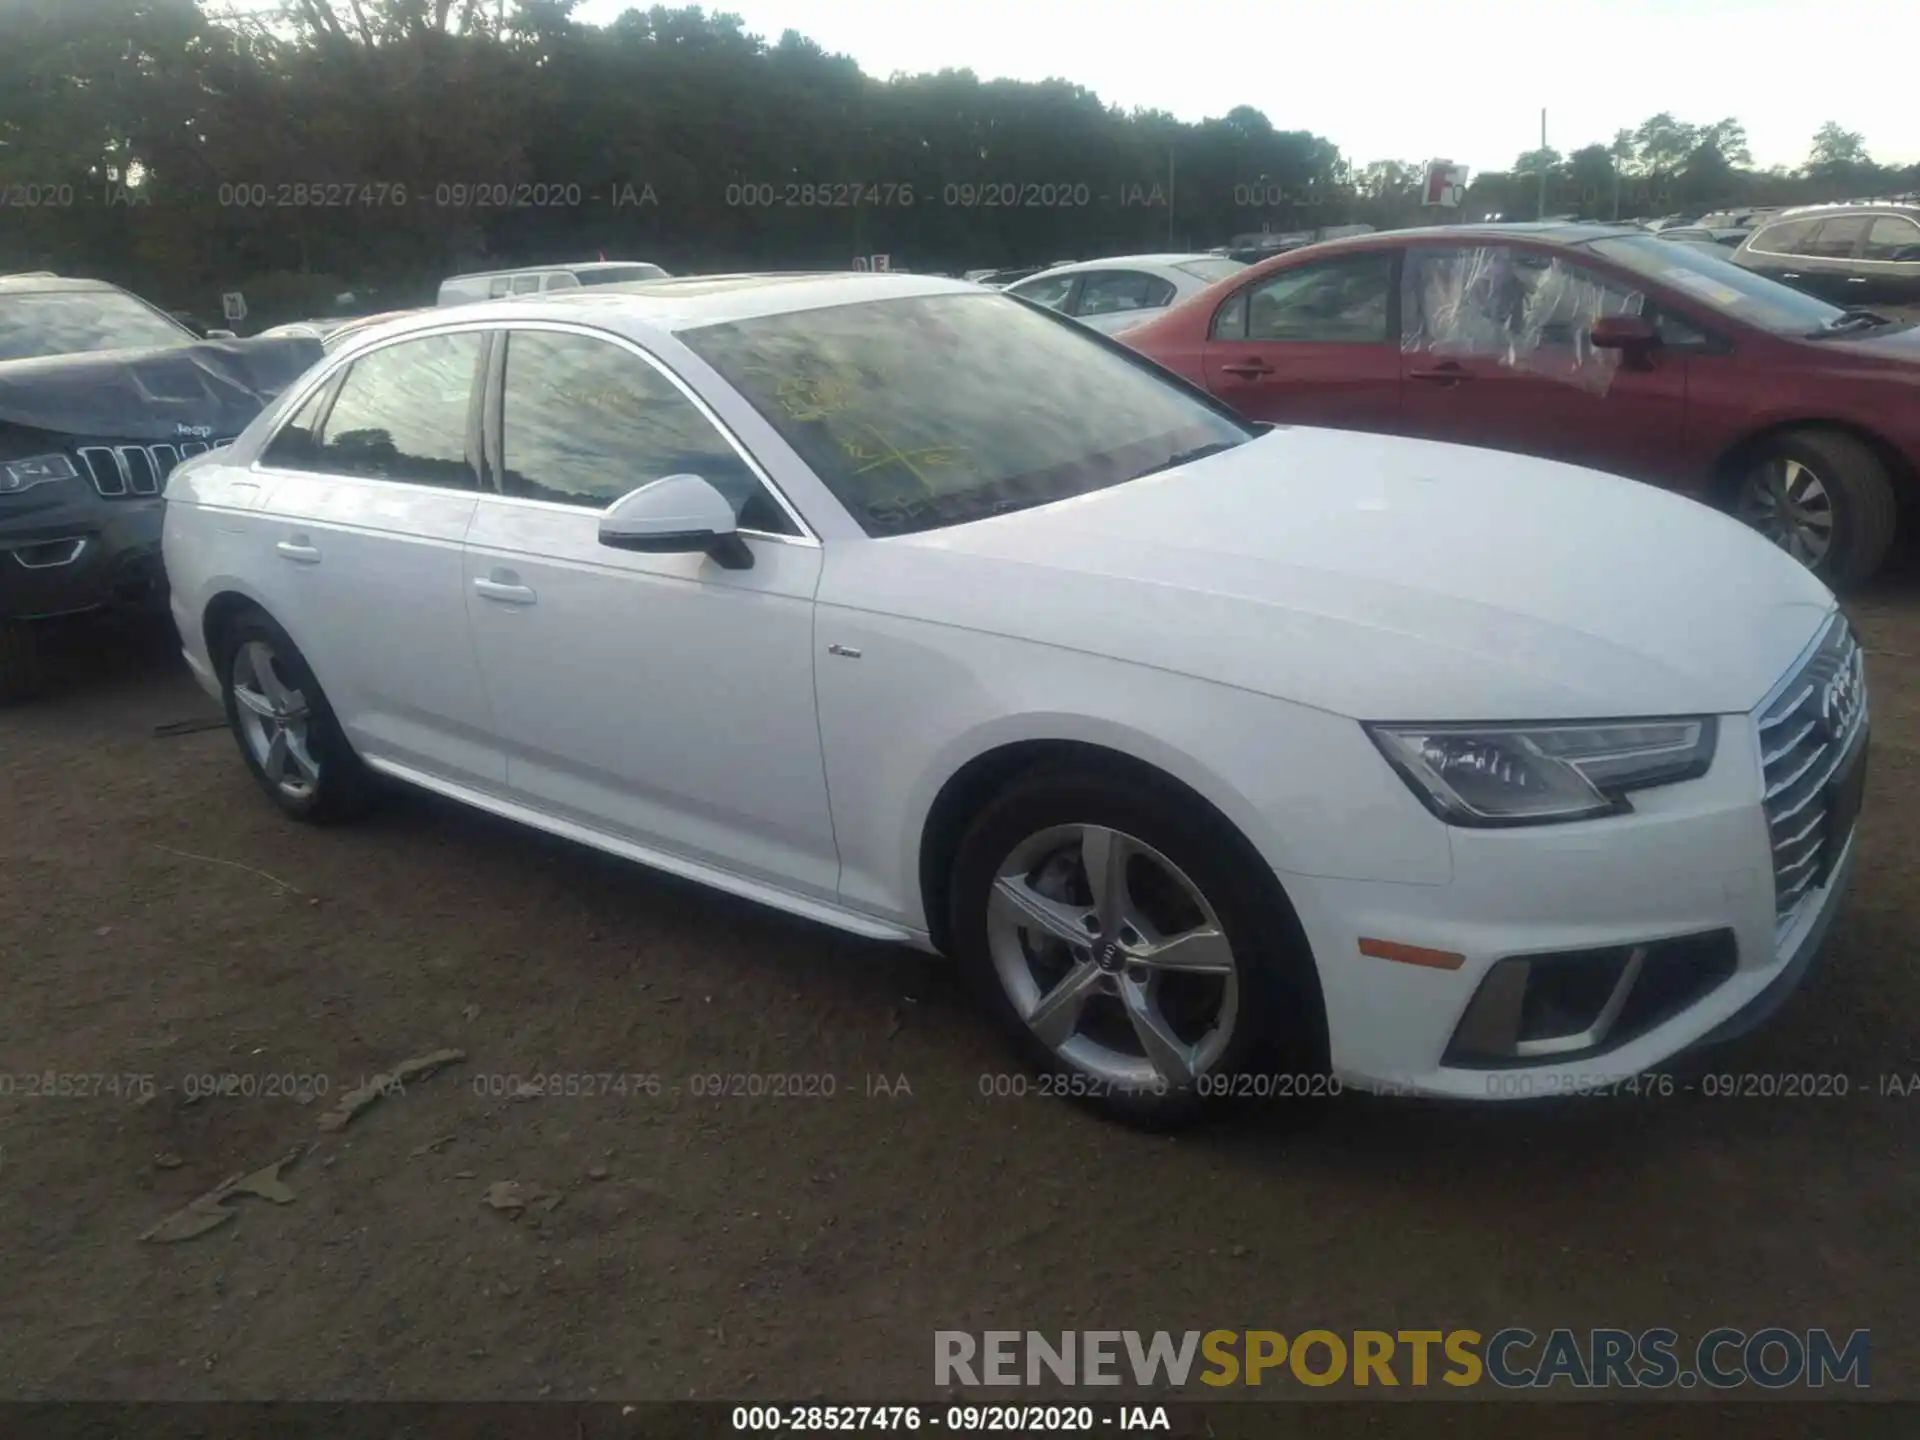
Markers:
<point>1138,957</point>
<point>23,674</point>
<point>286,731</point>
<point>1823,497</point>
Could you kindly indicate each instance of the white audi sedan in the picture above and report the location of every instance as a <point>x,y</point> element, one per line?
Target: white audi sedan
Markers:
<point>1229,761</point>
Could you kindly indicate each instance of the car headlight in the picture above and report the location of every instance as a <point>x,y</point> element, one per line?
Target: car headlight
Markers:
<point>1537,774</point>
<point>18,475</point>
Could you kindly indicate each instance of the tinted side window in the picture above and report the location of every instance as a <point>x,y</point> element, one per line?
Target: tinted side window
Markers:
<point>1835,238</point>
<point>402,414</point>
<point>1230,320</point>
<point>525,284</point>
<point>585,421</point>
<point>1341,301</point>
<point>1106,292</point>
<point>500,286</point>
<point>1892,238</point>
<point>1783,237</point>
<point>295,446</point>
<point>1050,293</point>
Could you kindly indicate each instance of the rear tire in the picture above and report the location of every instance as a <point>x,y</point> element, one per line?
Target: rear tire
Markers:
<point>1173,993</point>
<point>1825,498</point>
<point>23,675</point>
<point>286,731</point>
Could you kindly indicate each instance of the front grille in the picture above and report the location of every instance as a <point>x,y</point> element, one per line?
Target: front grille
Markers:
<point>1806,730</point>
<point>123,470</point>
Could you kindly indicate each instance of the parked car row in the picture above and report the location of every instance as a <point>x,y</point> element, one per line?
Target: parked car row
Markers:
<point>1601,346</point>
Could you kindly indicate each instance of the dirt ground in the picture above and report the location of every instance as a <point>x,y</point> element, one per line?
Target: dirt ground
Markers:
<point>159,920</point>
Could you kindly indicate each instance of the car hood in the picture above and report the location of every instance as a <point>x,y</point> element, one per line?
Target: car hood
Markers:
<point>1901,344</point>
<point>1378,578</point>
<point>208,388</point>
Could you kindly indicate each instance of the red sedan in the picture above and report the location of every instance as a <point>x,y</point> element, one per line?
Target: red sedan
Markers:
<point>1602,346</point>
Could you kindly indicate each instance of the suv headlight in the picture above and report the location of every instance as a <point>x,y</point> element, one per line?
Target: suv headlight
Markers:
<point>1537,774</point>
<point>18,475</point>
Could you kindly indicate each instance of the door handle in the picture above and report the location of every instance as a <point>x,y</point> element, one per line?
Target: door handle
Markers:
<point>1856,280</point>
<point>298,553</point>
<point>1249,369</point>
<point>1444,374</point>
<point>504,593</point>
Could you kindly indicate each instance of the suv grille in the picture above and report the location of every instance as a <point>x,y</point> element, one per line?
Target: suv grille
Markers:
<point>122,470</point>
<point>1800,752</point>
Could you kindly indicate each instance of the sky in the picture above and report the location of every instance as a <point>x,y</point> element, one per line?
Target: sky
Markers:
<point>1462,80</point>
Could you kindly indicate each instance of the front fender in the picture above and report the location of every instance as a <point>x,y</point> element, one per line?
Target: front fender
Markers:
<point>921,702</point>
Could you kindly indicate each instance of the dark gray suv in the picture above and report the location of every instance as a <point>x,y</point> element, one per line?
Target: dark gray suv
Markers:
<point>101,395</point>
<point>1862,253</point>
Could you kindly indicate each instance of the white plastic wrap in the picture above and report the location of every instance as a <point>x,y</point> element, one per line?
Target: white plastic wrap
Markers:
<point>1524,309</point>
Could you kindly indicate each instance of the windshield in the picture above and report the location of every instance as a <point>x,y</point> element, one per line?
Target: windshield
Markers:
<point>68,322</point>
<point>1708,276</point>
<point>1217,267</point>
<point>936,410</point>
<point>617,274</point>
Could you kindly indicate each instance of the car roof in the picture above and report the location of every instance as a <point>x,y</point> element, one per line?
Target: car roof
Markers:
<point>42,283</point>
<point>692,301</point>
<point>1112,262</point>
<point>1552,232</point>
<point>1908,208</point>
<point>545,269</point>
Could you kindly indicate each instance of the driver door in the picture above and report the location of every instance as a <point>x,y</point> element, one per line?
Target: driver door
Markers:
<point>658,698</point>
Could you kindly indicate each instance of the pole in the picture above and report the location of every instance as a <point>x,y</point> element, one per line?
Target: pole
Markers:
<point>1543,163</point>
<point>1170,245</point>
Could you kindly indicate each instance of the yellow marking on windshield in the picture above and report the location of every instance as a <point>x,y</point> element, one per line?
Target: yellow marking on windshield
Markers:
<point>816,397</point>
<point>934,457</point>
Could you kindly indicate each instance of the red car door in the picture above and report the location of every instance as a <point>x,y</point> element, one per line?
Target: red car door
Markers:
<point>1496,353</point>
<point>1312,344</point>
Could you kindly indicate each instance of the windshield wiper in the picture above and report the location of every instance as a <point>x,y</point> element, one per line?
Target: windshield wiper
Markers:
<point>1187,457</point>
<point>1851,321</point>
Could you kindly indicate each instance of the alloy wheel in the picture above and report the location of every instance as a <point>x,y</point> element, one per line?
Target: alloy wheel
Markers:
<point>1785,501</point>
<point>1112,957</point>
<point>274,717</point>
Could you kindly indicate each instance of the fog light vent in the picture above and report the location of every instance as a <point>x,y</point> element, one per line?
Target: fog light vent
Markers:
<point>1578,1003</point>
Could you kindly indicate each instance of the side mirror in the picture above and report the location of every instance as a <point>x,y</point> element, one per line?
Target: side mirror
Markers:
<point>675,516</point>
<point>1623,332</point>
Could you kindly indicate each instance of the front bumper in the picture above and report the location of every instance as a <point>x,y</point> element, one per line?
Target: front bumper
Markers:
<point>1693,860</point>
<point>83,554</point>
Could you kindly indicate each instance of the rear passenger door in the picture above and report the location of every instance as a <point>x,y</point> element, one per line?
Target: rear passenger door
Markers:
<point>1826,260</point>
<point>371,488</point>
<point>1890,258</point>
<point>1312,344</point>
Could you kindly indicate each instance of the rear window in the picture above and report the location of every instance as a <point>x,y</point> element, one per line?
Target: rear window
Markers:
<point>74,322</point>
<point>1217,268</point>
